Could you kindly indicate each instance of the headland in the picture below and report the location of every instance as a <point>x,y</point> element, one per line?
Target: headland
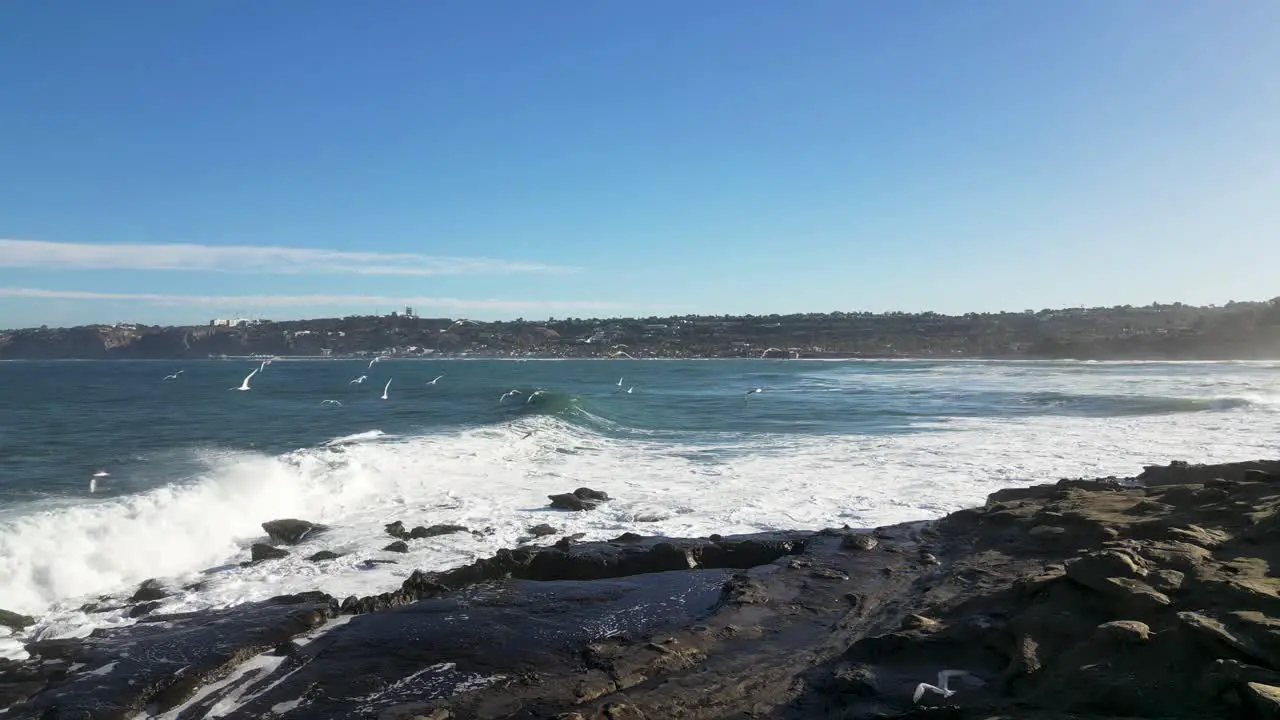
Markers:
<point>1235,331</point>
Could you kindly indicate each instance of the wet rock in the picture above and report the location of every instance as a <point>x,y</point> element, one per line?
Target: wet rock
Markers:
<point>290,531</point>
<point>149,590</point>
<point>143,608</point>
<point>396,530</point>
<point>15,620</point>
<point>859,541</point>
<point>543,530</point>
<point>323,555</point>
<point>435,531</point>
<point>263,551</point>
<point>399,546</point>
<point>579,500</point>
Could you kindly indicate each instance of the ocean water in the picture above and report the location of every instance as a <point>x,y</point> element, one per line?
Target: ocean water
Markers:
<point>195,467</point>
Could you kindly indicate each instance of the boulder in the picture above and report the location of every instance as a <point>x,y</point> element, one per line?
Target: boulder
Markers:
<point>290,531</point>
<point>542,530</point>
<point>579,500</point>
<point>15,620</point>
<point>396,530</point>
<point>435,531</point>
<point>149,590</point>
<point>399,546</point>
<point>324,555</point>
<point>263,551</point>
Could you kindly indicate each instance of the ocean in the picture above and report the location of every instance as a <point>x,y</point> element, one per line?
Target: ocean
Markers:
<point>194,467</point>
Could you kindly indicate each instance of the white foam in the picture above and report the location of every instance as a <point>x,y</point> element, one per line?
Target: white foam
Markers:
<point>53,560</point>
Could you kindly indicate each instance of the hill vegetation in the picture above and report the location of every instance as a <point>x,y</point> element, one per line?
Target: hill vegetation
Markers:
<point>1237,330</point>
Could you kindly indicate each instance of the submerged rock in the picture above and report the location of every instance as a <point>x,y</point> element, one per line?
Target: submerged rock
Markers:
<point>290,531</point>
<point>263,551</point>
<point>542,530</point>
<point>324,555</point>
<point>579,500</point>
<point>396,530</point>
<point>435,531</point>
<point>149,590</point>
<point>399,546</point>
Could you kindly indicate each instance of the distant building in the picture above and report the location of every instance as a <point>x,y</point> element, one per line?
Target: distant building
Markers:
<point>229,322</point>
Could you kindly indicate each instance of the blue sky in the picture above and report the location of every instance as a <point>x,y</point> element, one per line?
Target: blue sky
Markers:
<point>304,158</point>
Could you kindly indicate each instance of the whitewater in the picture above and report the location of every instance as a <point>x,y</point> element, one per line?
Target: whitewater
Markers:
<point>195,470</point>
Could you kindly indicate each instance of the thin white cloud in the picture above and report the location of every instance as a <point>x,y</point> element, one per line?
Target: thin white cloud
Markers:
<point>251,260</point>
<point>263,301</point>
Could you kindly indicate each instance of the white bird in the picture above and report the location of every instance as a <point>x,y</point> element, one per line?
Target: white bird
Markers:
<point>753,391</point>
<point>384,390</point>
<point>331,402</point>
<point>508,394</point>
<point>359,380</point>
<point>264,364</point>
<point>245,385</point>
<point>944,676</point>
<point>630,389</point>
<point>619,382</point>
<point>371,362</point>
<point>433,382</point>
<point>174,376</point>
<point>93,481</point>
<point>535,394</point>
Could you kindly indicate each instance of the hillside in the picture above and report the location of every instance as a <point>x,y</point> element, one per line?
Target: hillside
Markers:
<point>1238,330</point>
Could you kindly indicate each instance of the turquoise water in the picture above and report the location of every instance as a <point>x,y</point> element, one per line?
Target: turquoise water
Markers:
<point>193,466</point>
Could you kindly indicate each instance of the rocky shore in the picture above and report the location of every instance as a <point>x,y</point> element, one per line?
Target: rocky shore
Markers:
<point>1147,597</point>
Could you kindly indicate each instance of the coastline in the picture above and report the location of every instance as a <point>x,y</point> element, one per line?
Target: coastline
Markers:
<point>1141,597</point>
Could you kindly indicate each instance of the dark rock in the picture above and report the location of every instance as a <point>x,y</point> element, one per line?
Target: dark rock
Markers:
<point>143,608</point>
<point>399,546</point>
<point>324,555</point>
<point>263,551</point>
<point>15,620</point>
<point>859,541</point>
<point>149,590</point>
<point>435,531</point>
<point>543,530</point>
<point>579,500</point>
<point>290,531</point>
<point>396,530</point>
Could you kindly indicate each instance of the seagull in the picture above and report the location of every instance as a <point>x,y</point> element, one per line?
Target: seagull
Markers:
<point>93,480</point>
<point>245,385</point>
<point>508,394</point>
<point>359,380</point>
<point>433,382</point>
<point>384,390</point>
<point>619,382</point>
<point>630,389</point>
<point>174,376</point>
<point>331,402</point>
<point>535,394</point>
<point>753,391</point>
<point>264,364</point>
<point>371,362</point>
<point>941,688</point>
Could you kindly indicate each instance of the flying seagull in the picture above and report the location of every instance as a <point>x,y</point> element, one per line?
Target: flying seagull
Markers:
<point>944,676</point>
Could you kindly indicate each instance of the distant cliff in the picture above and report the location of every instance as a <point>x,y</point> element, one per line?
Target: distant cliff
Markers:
<point>1234,331</point>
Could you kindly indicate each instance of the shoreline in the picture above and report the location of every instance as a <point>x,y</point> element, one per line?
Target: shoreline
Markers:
<point>1081,598</point>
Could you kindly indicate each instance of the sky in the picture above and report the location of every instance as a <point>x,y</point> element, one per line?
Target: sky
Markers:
<point>167,162</point>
